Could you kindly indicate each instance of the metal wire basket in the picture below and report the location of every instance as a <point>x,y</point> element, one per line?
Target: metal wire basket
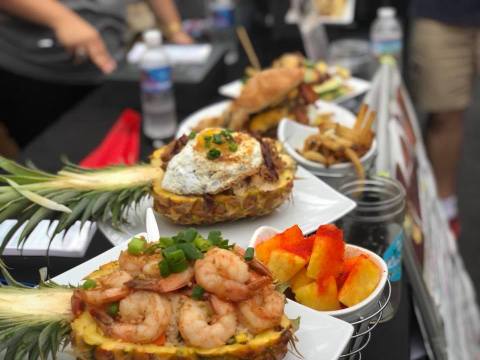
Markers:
<point>363,327</point>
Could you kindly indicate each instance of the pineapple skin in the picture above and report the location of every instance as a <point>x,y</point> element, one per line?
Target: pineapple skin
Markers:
<point>272,349</point>
<point>194,210</point>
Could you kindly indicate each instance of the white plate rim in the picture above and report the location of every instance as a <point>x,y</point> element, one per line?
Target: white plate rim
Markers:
<point>358,85</point>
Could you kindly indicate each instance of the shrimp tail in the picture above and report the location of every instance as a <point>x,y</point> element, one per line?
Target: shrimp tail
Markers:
<point>104,320</point>
<point>254,264</point>
<point>147,285</point>
<point>259,283</point>
<point>164,285</point>
<point>77,304</point>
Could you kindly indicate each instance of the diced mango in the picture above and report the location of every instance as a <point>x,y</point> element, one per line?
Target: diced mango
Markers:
<point>284,265</point>
<point>300,279</point>
<point>319,296</point>
<point>362,279</point>
<point>327,254</point>
<point>265,248</point>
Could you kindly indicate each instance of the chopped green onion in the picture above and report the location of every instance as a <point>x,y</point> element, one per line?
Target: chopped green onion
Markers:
<point>175,256</point>
<point>208,141</point>
<point>232,147</point>
<point>249,253</point>
<point>89,284</point>
<point>186,236</point>
<point>192,135</point>
<point>227,134</point>
<point>178,267</point>
<point>191,252</point>
<point>197,292</point>
<point>213,154</point>
<point>217,139</point>
<point>202,244</point>
<point>215,236</point>
<point>165,242</point>
<point>112,309</point>
<point>164,268</point>
<point>136,246</point>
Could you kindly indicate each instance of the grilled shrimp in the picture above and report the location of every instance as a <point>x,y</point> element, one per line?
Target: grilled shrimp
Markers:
<point>140,264</point>
<point>112,288</point>
<point>201,330</point>
<point>262,311</point>
<point>163,285</point>
<point>223,273</point>
<point>143,317</point>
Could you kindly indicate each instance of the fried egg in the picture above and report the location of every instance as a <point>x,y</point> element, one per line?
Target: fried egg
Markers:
<point>213,161</point>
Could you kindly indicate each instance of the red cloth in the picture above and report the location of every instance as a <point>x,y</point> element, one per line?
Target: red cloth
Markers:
<point>120,146</point>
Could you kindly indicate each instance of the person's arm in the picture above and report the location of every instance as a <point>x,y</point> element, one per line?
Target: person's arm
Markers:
<point>166,12</point>
<point>74,33</point>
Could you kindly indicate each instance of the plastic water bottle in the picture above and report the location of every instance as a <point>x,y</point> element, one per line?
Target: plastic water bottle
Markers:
<point>158,102</point>
<point>386,34</point>
<point>222,17</point>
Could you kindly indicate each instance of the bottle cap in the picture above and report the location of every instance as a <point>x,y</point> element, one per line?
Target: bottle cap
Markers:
<point>152,37</point>
<point>386,12</point>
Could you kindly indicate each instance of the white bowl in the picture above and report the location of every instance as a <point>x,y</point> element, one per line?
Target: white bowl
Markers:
<point>293,134</point>
<point>362,309</point>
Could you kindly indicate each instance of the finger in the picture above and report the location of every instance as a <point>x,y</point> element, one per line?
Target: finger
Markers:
<point>79,55</point>
<point>100,56</point>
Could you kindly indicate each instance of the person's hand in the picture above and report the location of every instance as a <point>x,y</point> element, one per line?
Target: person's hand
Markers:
<point>82,40</point>
<point>181,38</point>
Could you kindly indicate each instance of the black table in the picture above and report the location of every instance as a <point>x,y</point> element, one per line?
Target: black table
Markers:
<point>82,129</point>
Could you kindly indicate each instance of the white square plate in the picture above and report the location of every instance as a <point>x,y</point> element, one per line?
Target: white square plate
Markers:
<point>320,336</point>
<point>358,86</point>
<point>312,203</point>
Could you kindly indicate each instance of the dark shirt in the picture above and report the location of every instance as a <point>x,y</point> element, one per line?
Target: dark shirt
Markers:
<point>454,12</point>
<point>31,50</point>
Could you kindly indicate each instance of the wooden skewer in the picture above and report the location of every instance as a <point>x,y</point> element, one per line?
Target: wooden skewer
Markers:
<point>248,47</point>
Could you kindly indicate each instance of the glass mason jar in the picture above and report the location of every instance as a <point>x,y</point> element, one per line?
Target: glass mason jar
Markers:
<point>377,224</point>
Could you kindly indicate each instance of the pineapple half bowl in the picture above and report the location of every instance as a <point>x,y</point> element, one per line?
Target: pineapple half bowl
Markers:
<point>218,175</point>
<point>201,178</point>
<point>182,297</point>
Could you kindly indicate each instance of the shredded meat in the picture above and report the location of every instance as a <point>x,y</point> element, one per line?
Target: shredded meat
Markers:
<point>300,113</point>
<point>268,171</point>
<point>173,148</point>
<point>209,201</point>
<point>307,93</point>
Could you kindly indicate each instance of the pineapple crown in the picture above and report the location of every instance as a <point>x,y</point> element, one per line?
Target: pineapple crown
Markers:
<point>73,194</point>
<point>34,322</point>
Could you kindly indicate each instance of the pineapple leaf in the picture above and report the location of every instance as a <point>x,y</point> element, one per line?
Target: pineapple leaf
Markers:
<point>17,169</point>
<point>12,208</point>
<point>100,202</point>
<point>34,322</point>
<point>8,277</point>
<point>38,199</point>
<point>68,219</point>
<point>73,194</point>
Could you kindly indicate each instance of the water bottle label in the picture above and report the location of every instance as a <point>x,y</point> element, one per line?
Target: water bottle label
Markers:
<point>156,80</point>
<point>393,258</point>
<point>223,17</point>
<point>383,47</point>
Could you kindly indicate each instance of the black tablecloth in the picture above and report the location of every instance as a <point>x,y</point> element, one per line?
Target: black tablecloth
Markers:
<point>82,129</point>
